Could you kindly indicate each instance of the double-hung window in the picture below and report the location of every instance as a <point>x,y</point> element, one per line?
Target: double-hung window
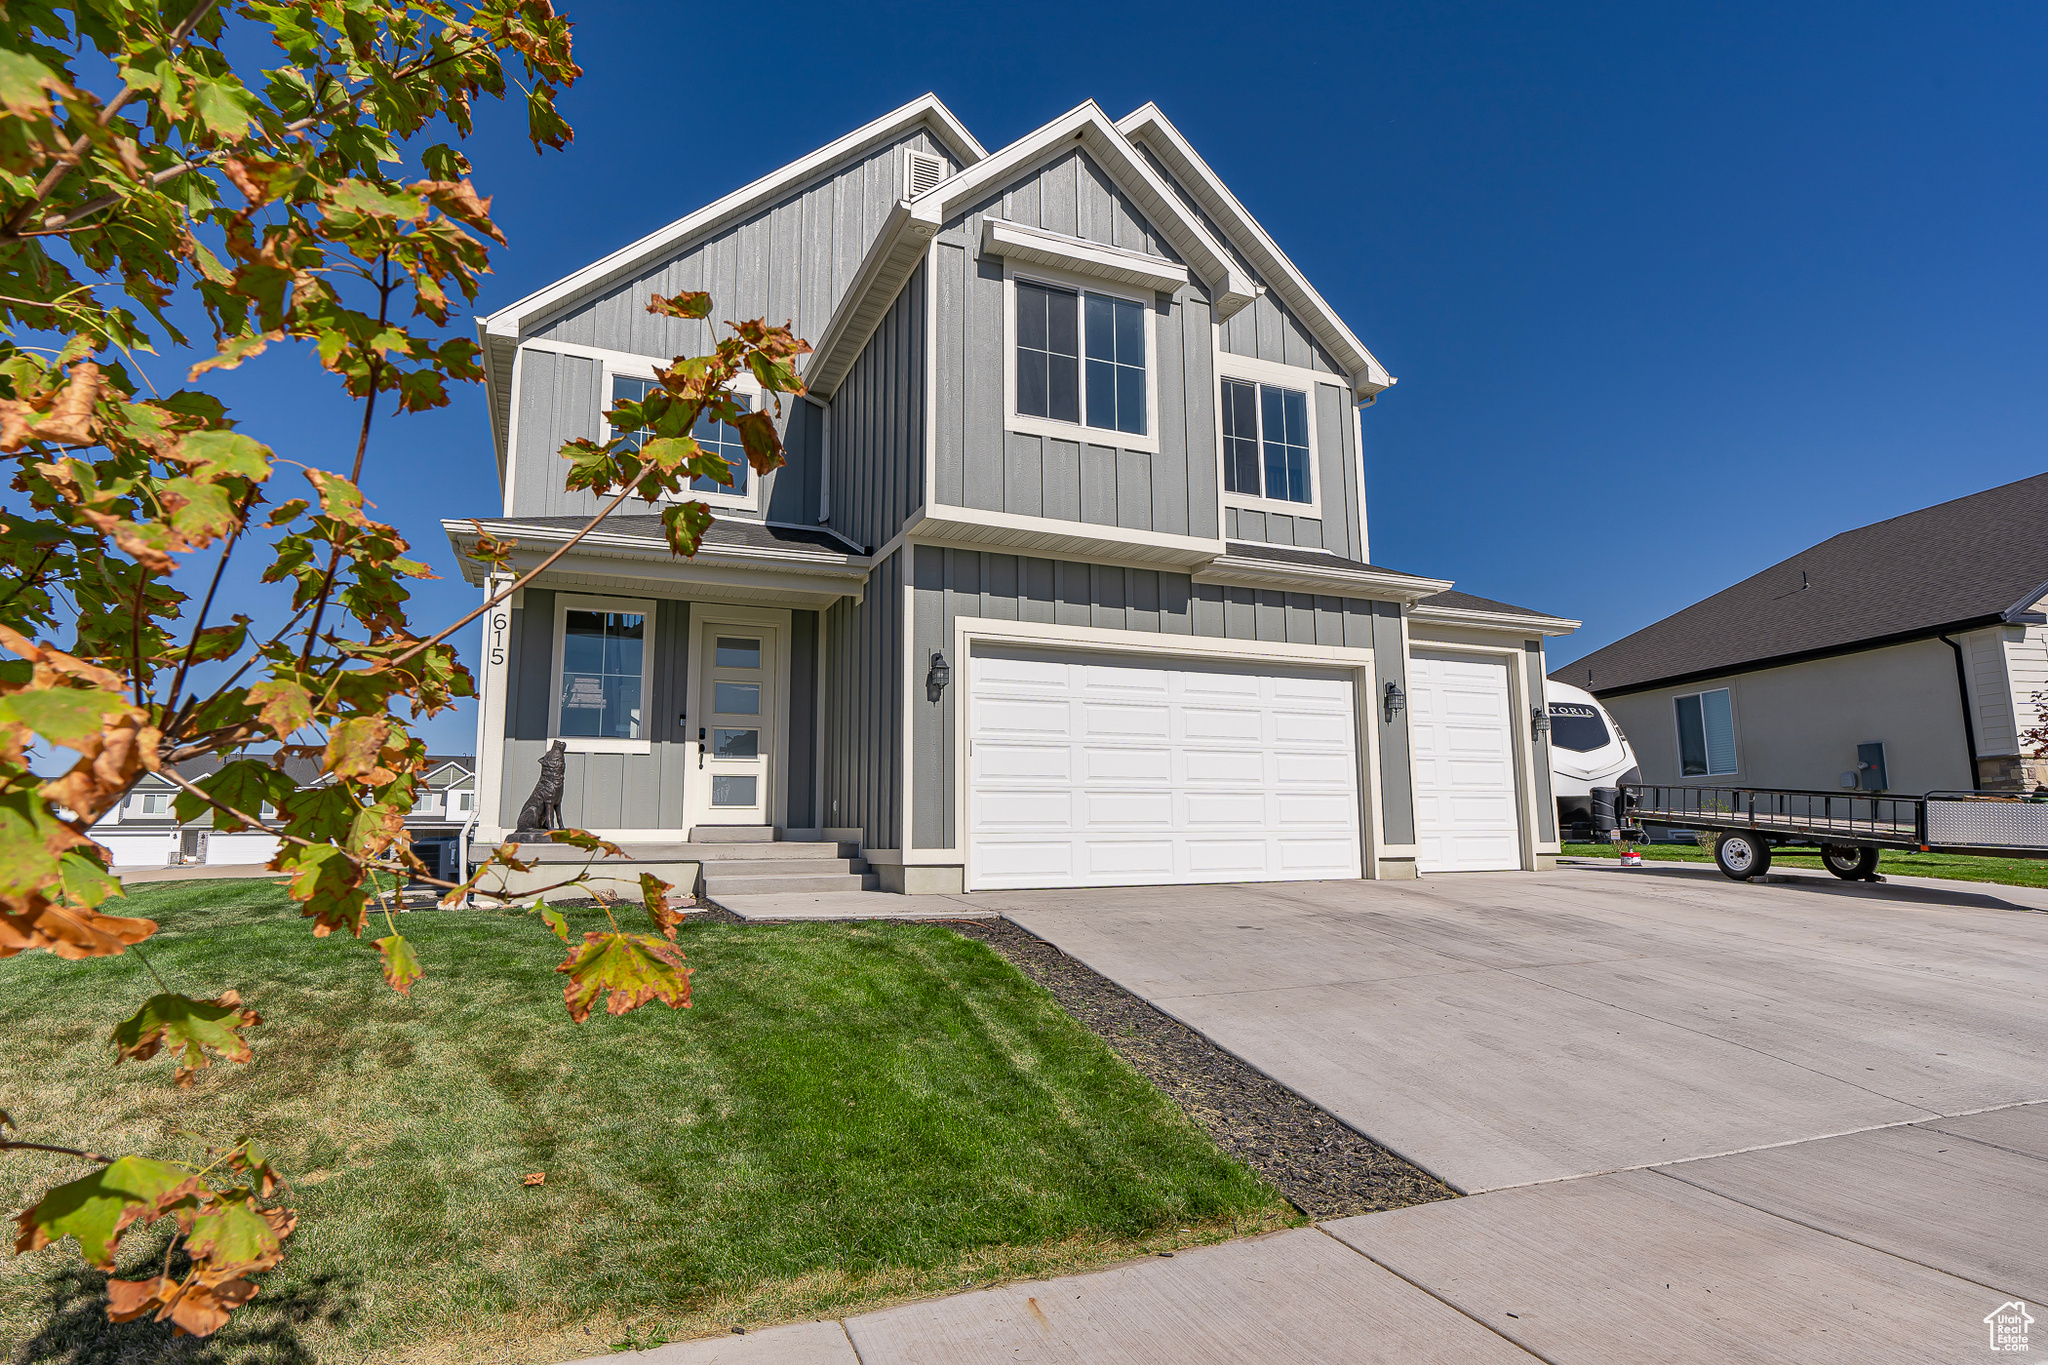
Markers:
<point>1266,442</point>
<point>717,438</point>
<point>1706,733</point>
<point>602,670</point>
<point>1081,354</point>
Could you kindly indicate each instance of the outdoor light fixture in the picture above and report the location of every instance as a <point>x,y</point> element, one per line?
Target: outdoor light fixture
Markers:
<point>1396,700</point>
<point>941,673</point>
<point>1539,721</point>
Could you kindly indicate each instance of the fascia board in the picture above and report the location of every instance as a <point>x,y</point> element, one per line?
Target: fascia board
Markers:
<point>1015,241</point>
<point>1505,620</point>
<point>1229,288</point>
<point>513,319</point>
<point>1153,128</point>
<point>2026,604</point>
<point>463,534</point>
<point>986,530</point>
<point>1240,572</point>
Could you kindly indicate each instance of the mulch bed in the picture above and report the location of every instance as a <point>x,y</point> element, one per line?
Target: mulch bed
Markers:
<point>1321,1165</point>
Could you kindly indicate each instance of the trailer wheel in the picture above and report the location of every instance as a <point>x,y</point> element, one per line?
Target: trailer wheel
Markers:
<point>1849,863</point>
<point>1741,855</point>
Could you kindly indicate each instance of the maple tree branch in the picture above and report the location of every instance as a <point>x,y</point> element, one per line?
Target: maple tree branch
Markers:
<point>10,1145</point>
<point>199,625</point>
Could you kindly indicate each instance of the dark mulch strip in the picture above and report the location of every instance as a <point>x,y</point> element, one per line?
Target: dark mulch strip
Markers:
<point>1326,1169</point>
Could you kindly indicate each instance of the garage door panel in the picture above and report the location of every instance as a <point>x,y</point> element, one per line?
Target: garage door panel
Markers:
<point>1196,772</point>
<point>1467,809</point>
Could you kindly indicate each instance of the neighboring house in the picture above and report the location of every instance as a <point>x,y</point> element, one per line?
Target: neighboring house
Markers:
<point>1066,580</point>
<point>144,831</point>
<point>1901,656</point>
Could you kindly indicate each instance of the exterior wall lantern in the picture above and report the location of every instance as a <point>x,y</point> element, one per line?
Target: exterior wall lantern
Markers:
<point>940,674</point>
<point>1394,700</point>
<point>1539,722</point>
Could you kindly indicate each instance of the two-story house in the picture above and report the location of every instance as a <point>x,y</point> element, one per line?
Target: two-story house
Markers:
<point>1066,581</point>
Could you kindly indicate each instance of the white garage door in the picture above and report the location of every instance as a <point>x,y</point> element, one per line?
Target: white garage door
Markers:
<point>1105,770</point>
<point>1465,808</point>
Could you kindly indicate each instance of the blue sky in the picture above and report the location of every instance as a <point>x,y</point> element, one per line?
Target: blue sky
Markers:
<point>1672,291</point>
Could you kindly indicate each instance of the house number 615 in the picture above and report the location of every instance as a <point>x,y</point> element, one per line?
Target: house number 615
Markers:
<point>498,623</point>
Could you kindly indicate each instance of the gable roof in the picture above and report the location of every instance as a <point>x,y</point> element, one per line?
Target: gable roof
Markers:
<point>900,245</point>
<point>1453,608</point>
<point>499,332</point>
<point>1975,561</point>
<point>1151,128</point>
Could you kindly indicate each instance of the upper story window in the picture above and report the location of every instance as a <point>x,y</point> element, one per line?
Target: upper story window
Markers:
<point>601,672</point>
<point>1081,362</point>
<point>153,803</point>
<point>1706,733</point>
<point>715,437</point>
<point>1266,451</point>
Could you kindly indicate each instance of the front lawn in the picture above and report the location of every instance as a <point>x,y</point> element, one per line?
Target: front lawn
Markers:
<point>851,1113</point>
<point>2009,871</point>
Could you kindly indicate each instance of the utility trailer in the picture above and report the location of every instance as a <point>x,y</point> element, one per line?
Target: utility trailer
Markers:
<point>1847,827</point>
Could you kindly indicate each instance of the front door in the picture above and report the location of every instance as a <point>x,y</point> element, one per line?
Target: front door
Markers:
<point>735,725</point>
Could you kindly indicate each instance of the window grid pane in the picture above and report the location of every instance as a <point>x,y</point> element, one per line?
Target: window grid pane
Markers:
<point>1048,364</point>
<point>602,652</point>
<point>1692,738</point>
<point>1719,724</point>
<point>1116,364</point>
<point>1240,437</point>
<point>1284,415</point>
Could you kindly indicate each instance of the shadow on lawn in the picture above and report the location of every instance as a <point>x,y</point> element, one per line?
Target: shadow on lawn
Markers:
<point>265,1333</point>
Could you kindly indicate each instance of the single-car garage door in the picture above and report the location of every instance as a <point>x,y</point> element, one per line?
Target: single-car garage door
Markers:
<point>1111,770</point>
<point>1465,808</point>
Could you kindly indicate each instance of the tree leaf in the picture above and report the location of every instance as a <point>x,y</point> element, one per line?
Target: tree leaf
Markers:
<point>284,707</point>
<point>231,1237</point>
<point>654,895</point>
<point>191,1028</point>
<point>330,887</point>
<point>354,746</point>
<point>628,970</point>
<point>247,784</point>
<point>97,1208</point>
<point>555,920</point>
<point>401,964</point>
<point>69,716</point>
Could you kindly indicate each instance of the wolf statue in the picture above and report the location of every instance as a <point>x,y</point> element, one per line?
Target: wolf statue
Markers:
<point>542,813</point>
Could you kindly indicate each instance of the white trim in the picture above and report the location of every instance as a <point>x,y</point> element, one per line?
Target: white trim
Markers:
<point>1011,532</point>
<point>1492,620</point>
<point>824,462</point>
<point>1133,269</point>
<point>1081,432</point>
<point>1244,571</point>
<point>578,744</point>
<point>1359,662</point>
<point>492,679</point>
<point>775,621</point>
<point>1358,480</point>
<point>1294,379</point>
<point>508,480</point>
<point>514,319</point>
<point>619,365</point>
<point>1147,125</point>
<point>912,690</point>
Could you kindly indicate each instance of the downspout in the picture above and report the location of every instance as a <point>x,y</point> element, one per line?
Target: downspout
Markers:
<point>1963,693</point>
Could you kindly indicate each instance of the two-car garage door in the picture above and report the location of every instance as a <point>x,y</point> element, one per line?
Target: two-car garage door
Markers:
<point>1108,770</point>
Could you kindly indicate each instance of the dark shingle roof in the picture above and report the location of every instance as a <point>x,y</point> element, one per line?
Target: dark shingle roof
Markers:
<point>726,531</point>
<point>1966,562</point>
<point>1465,601</point>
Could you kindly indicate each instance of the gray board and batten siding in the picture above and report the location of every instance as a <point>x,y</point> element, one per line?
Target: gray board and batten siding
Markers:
<point>636,791</point>
<point>877,426</point>
<point>980,463</point>
<point>861,681</point>
<point>950,584</point>
<point>793,260</point>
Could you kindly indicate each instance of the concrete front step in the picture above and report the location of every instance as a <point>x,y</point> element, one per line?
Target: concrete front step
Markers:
<point>778,867</point>
<point>733,834</point>
<point>715,887</point>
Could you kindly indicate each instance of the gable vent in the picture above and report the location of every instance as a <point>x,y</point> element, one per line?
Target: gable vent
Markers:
<point>921,171</point>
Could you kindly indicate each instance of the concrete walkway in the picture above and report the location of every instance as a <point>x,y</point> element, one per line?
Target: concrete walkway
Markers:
<point>1700,1121</point>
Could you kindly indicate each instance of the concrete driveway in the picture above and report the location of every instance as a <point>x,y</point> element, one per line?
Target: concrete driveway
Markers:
<point>1702,1120</point>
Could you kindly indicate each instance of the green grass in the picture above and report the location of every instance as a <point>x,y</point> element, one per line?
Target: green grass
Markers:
<point>1955,867</point>
<point>850,1114</point>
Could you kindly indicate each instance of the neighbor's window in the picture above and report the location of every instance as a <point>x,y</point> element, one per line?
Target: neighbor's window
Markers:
<point>154,803</point>
<point>1052,341</point>
<point>716,437</point>
<point>1577,726</point>
<point>1265,441</point>
<point>1706,734</point>
<point>602,657</point>
<point>465,802</point>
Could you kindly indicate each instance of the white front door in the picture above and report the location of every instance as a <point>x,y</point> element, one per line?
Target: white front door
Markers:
<point>1460,711</point>
<point>735,719</point>
<point>1123,770</point>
